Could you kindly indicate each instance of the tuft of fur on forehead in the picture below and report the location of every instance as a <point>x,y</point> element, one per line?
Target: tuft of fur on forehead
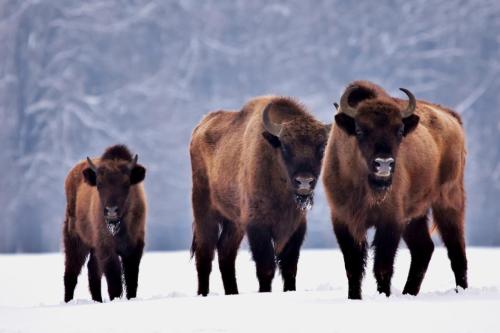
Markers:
<point>298,122</point>
<point>289,105</point>
<point>117,152</point>
<point>304,129</point>
<point>364,90</point>
<point>380,106</point>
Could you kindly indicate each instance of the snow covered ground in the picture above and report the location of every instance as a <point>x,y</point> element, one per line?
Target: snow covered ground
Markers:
<point>31,292</point>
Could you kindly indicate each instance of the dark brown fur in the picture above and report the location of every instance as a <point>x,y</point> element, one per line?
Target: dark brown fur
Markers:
<point>428,174</point>
<point>242,183</point>
<point>85,231</point>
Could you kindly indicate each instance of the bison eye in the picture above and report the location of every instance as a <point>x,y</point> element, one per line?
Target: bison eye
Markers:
<point>321,149</point>
<point>400,132</point>
<point>286,151</point>
<point>359,133</point>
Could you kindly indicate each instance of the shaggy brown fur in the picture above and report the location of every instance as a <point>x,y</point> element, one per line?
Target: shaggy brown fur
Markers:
<point>116,184</point>
<point>245,180</point>
<point>428,173</point>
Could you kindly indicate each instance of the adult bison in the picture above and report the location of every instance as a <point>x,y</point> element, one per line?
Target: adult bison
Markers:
<point>387,164</point>
<point>106,217</point>
<point>254,171</point>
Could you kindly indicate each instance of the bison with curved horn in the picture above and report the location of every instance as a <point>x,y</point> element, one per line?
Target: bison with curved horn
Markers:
<point>388,164</point>
<point>105,217</point>
<point>254,171</point>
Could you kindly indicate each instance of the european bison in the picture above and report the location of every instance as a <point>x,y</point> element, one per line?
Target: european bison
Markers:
<point>387,164</point>
<point>106,217</point>
<point>254,170</point>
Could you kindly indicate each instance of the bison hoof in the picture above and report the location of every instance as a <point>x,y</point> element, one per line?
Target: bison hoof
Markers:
<point>462,283</point>
<point>264,289</point>
<point>384,290</point>
<point>203,293</point>
<point>353,295</point>
<point>410,291</point>
<point>289,286</point>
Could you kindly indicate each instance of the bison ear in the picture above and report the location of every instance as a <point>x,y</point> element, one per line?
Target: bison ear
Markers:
<point>89,176</point>
<point>346,123</point>
<point>273,140</point>
<point>137,174</point>
<point>410,123</point>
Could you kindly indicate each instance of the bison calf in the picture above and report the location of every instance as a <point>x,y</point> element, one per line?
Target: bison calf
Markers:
<point>254,171</point>
<point>105,217</point>
<point>388,163</point>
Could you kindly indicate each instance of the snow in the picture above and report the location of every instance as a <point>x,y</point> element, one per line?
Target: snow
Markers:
<point>32,292</point>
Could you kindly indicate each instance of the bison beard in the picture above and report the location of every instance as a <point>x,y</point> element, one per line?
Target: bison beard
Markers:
<point>114,227</point>
<point>304,202</point>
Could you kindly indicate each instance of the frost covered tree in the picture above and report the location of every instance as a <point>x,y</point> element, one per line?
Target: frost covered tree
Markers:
<point>78,76</point>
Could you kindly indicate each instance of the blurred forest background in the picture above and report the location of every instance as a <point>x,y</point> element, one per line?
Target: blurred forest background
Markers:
<point>77,76</point>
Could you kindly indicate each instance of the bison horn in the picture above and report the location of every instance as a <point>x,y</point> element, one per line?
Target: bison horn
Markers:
<point>134,162</point>
<point>271,127</point>
<point>344,102</point>
<point>91,164</point>
<point>336,105</point>
<point>412,103</point>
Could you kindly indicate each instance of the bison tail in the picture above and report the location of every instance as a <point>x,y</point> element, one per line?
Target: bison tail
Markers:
<point>193,246</point>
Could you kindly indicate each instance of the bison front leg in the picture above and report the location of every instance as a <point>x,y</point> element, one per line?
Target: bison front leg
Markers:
<point>263,254</point>
<point>110,265</point>
<point>289,257</point>
<point>95,276</point>
<point>131,264</point>
<point>354,258</point>
<point>227,249</point>
<point>418,239</point>
<point>386,243</point>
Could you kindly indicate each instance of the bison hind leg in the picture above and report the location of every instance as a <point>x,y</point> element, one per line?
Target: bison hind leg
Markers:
<point>205,235</point>
<point>227,250</point>
<point>419,242</point>
<point>450,223</point>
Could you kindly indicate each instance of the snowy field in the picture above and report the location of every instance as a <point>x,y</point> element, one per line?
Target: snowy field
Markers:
<point>31,295</point>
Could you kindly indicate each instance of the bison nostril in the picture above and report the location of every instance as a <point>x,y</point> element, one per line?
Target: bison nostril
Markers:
<point>111,210</point>
<point>383,166</point>
<point>304,181</point>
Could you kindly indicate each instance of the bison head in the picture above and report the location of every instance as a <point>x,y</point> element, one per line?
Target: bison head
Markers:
<point>113,179</point>
<point>300,143</point>
<point>379,123</point>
